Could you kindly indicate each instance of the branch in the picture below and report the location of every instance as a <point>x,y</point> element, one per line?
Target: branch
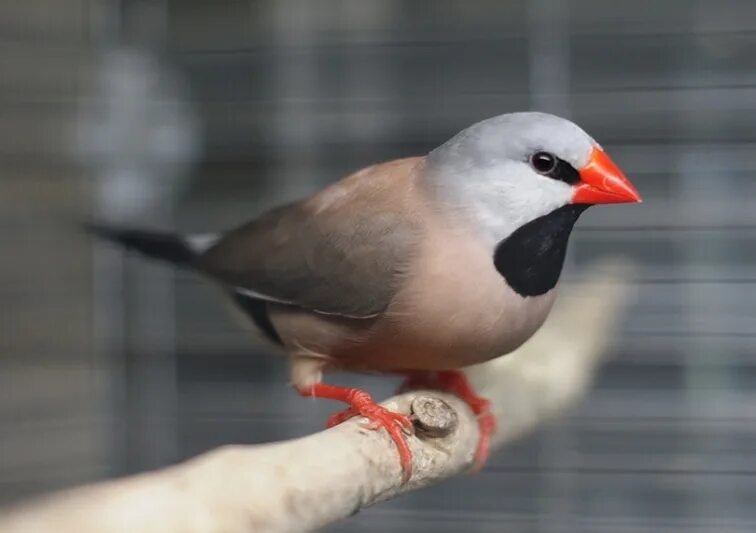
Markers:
<point>306,483</point>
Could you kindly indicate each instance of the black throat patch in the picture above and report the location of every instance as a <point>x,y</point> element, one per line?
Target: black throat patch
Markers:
<point>531,259</point>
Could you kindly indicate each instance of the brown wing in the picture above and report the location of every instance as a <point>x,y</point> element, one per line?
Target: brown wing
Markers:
<point>340,252</point>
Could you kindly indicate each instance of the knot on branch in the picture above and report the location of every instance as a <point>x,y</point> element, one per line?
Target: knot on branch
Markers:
<point>433,417</point>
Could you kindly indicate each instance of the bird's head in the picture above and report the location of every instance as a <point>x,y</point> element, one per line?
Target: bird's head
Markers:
<point>511,169</point>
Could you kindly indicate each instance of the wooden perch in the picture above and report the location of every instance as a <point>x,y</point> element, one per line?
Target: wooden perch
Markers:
<point>306,483</point>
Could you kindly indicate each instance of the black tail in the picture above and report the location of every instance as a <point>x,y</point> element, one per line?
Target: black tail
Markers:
<point>156,245</point>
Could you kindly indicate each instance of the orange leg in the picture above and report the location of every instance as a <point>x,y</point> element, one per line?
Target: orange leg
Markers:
<point>361,403</point>
<point>456,382</point>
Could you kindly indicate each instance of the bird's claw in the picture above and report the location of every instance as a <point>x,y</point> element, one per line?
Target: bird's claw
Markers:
<point>395,424</point>
<point>399,419</point>
<point>486,428</point>
<point>386,417</point>
<point>341,416</point>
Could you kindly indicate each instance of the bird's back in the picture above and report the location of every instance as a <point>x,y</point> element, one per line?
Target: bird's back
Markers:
<point>338,252</point>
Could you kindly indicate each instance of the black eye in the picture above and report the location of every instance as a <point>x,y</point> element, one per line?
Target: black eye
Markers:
<point>543,162</point>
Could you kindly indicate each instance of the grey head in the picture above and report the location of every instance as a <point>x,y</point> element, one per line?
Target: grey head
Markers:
<point>486,172</point>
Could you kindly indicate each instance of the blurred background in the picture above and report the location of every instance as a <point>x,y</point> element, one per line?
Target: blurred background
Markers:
<point>198,115</point>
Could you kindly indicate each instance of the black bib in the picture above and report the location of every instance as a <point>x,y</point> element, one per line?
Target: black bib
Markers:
<point>531,259</point>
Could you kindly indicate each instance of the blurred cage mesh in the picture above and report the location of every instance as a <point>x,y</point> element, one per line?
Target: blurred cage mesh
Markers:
<point>198,115</point>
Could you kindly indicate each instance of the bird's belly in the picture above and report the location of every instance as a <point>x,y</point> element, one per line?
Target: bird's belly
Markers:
<point>457,330</point>
<point>466,324</point>
<point>453,310</point>
<point>456,310</point>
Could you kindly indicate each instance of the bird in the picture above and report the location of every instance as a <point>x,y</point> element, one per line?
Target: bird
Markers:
<point>419,266</point>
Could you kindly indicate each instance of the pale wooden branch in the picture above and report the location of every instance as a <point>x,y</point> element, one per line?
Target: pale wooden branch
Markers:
<point>306,483</point>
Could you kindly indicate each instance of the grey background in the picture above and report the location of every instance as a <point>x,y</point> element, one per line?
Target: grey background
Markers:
<point>197,115</point>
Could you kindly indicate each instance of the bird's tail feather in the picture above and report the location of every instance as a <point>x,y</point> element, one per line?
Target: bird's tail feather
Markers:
<point>156,245</point>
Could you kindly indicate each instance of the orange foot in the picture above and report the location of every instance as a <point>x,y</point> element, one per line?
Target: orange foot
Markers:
<point>456,382</point>
<point>361,403</point>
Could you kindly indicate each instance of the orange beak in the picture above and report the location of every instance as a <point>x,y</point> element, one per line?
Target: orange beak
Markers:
<point>601,182</point>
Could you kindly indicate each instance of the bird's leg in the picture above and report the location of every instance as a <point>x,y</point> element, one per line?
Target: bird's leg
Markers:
<point>456,382</point>
<point>361,403</point>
